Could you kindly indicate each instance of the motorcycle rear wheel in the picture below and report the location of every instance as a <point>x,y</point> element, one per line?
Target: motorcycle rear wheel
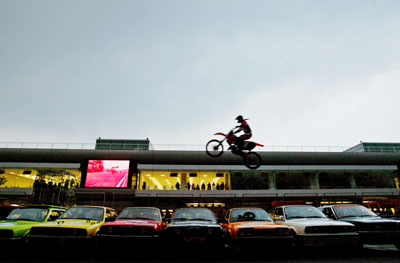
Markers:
<point>252,160</point>
<point>214,148</point>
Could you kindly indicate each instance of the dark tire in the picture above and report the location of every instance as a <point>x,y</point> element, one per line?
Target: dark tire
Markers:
<point>252,160</point>
<point>214,148</point>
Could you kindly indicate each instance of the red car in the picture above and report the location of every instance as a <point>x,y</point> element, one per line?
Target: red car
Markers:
<point>138,226</point>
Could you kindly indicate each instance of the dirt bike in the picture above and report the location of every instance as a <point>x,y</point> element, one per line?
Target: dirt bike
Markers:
<point>215,148</point>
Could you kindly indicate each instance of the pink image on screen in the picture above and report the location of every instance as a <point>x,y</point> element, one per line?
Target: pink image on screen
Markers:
<point>106,173</point>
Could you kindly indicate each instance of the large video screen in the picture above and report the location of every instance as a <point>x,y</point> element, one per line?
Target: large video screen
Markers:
<point>106,173</point>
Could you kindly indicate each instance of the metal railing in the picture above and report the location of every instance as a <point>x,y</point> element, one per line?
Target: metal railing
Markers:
<point>183,147</point>
<point>162,147</point>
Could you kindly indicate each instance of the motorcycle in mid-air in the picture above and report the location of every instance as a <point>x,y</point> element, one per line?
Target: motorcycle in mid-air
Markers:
<point>215,148</point>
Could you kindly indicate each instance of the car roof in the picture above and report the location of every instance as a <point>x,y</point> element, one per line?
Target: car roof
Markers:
<point>92,206</point>
<point>186,208</point>
<point>42,206</point>
<point>141,207</point>
<point>342,205</point>
<point>295,206</point>
<point>247,208</point>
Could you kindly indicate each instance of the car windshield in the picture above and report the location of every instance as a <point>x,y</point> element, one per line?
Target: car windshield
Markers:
<point>295,212</point>
<point>29,214</point>
<point>140,213</point>
<point>353,211</point>
<point>193,214</point>
<point>90,213</point>
<point>238,215</point>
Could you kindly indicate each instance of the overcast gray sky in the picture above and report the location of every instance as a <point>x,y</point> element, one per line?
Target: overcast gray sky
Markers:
<point>304,72</point>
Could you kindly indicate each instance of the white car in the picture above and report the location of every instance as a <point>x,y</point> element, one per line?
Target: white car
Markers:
<point>313,228</point>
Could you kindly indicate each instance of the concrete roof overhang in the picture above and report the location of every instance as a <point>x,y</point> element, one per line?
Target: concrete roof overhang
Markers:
<point>197,157</point>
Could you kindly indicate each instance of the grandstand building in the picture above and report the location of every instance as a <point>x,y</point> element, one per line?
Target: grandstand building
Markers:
<point>120,173</point>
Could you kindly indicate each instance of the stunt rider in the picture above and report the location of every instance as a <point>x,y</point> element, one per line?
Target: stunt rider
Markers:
<point>245,128</point>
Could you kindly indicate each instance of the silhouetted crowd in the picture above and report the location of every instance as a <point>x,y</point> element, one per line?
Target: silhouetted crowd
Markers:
<point>52,193</point>
<point>189,186</point>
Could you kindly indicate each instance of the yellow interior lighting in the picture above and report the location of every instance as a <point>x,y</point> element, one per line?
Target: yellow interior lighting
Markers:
<point>159,180</point>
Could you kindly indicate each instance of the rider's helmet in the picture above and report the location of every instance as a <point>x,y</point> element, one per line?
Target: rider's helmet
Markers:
<point>239,118</point>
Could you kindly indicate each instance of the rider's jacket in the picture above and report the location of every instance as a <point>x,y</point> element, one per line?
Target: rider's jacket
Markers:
<point>244,127</point>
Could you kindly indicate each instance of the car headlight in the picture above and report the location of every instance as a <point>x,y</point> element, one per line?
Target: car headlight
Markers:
<point>105,230</point>
<point>312,229</point>
<point>244,232</point>
<point>284,232</point>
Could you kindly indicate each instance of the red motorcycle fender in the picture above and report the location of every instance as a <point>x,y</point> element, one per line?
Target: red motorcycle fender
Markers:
<point>220,133</point>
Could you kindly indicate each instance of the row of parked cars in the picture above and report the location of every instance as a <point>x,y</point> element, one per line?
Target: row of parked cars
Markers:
<point>284,226</point>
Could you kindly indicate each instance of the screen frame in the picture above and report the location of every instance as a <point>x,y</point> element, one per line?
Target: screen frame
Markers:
<point>132,168</point>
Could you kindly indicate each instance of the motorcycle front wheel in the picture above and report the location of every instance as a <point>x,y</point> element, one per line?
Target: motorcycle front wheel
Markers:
<point>214,148</point>
<point>252,160</point>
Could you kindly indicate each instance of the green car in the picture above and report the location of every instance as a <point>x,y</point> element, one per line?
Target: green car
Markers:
<point>20,220</point>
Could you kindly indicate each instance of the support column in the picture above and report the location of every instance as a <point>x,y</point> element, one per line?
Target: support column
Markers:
<point>352,181</point>
<point>271,181</point>
<point>183,181</point>
<point>314,181</point>
<point>227,181</point>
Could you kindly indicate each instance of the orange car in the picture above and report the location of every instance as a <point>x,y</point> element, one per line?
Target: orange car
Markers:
<point>251,227</point>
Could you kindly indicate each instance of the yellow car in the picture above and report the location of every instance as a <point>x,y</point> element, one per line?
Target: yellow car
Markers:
<point>78,223</point>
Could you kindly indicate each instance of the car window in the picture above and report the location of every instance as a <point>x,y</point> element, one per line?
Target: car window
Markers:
<point>353,211</point>
<point>238,215</point>
<point>193,214</point>
<point>295,212</point>
<point>54,214</point>
<point>277,213</point>
<point>110,214</point>
<point>28,214</point>
<point>328,212</point>
<point>90,213</point>
<point>140,213</point>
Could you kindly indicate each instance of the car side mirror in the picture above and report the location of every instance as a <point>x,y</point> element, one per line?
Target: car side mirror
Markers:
<point>279,218</point>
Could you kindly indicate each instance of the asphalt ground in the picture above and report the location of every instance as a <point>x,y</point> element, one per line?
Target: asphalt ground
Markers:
<point>369,254</point>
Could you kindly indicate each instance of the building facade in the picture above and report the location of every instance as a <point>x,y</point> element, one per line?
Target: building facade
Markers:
<point>169,179</point>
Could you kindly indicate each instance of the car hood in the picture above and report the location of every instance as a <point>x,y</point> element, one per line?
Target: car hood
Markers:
<point>194,223</point>
<point>256,224</point>
<point>134,222</point>
<point>17,224</point>
<point>367,220</point>
<point>316,222</point>
<point>77,223</point>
